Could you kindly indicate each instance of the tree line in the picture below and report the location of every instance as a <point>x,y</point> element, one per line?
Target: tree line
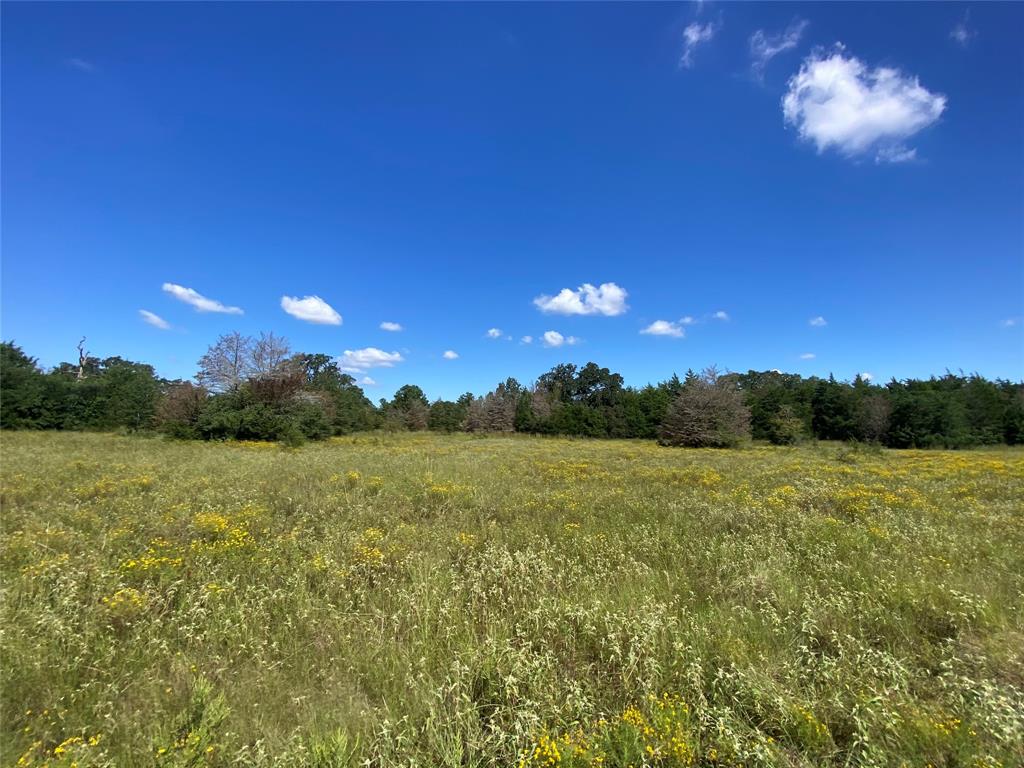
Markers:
<point>258,389</point>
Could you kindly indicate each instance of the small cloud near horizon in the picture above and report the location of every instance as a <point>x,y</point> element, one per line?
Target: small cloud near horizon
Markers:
<point>555,339</point>
<point>201,303</point>
<point>664,328</point>
<point>607,299</point>
<point>154,319</point>
<point>311,309</point>
<point>361,360</point>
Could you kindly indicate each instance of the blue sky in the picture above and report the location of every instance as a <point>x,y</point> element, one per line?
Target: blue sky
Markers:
<point>446,167</point>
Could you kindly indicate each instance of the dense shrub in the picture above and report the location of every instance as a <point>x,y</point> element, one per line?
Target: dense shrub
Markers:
<point>785,428</point>
<point>445,416</point>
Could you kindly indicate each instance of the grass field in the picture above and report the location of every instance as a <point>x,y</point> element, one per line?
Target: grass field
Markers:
<point>501,601</point>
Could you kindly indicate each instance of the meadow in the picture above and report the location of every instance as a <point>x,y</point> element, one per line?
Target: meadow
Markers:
<point>425,600</point>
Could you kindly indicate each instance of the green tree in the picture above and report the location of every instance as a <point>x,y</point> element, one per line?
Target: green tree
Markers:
<point>832,411</point>
<point>445,416</point>
<point>353,411</point>
<point>22,389</point>
<point>130,394</point>
<point>409,409</point>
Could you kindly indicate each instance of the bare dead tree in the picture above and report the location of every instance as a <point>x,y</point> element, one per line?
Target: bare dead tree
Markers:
<point>227,363</point>
<point>269,355</point>
<point>541,402</point>
<point>83,358</point>
<point>709,412</point>
<point>476,417</point>
<point>416,416</point>
<point>873,417</point>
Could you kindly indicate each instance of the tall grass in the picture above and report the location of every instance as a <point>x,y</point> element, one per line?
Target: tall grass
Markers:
<point>461,601</point>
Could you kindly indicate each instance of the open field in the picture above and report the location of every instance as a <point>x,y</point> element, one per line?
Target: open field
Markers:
<point>459,601</point>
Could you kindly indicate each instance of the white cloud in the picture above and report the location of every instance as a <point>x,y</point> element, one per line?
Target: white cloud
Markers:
<point>764,47</point>
<point>197,300</point>
<point>895,154</point>
<point>694,36</point>
<point>366,381</point>
<point>360,360</point>
<point>721,315</point>
<point>450,354</point>
<point>494,333</point>
<point>687,320</point>
<point>664,328</point>
<point>312,309</point>
<point>818,322</point>
<point>607,299</point>
<point>837,101</point>
<point>962,33</point>
<point>389,326</point>
<point>555,339</point>
<point>867,376</point>
<point>526,340</point>
<point>155,320</point>
<point>82,65</point>
<point>807,356</point>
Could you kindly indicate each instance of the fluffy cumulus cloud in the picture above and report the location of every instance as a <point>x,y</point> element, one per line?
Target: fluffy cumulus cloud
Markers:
<point>818,322</point>
<point>494,333</point>
<point>838,102</point>
<point>664,328</point>
<point>720,315</point>
<point>312,309</point>
<point>555,339</point>
<point>387,325</point>
<point>867,376</point>
<point>450,354</point>
<point>765,47</point>
<point>366,381</point>
<point>694,36</point>
<point>360,360</point>
<point>197,300</point>
<point>607,299</point>
<point>807,356</point>
<point>153,319</point>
